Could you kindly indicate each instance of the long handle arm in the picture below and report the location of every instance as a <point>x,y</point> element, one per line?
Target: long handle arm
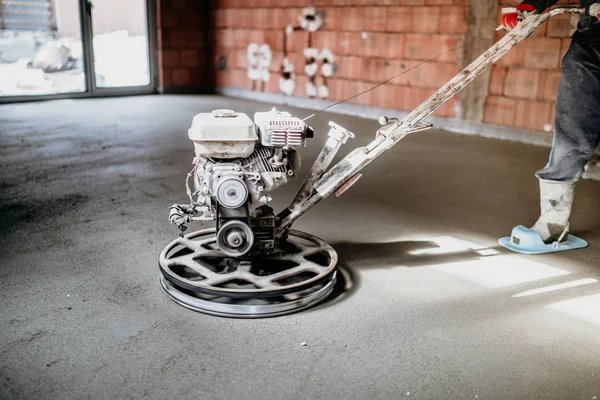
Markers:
<point>349,166</point>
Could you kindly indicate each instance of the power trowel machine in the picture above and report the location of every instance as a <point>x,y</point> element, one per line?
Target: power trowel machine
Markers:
<point>252,263</point>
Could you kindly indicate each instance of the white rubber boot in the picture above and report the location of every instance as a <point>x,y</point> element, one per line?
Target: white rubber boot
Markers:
<point>556,200</point>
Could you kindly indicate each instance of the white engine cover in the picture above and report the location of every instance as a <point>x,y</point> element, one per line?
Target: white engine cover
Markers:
<point>223,134</point>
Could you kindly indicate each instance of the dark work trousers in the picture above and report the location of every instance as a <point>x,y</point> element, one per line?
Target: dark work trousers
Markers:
<point>577,123</point>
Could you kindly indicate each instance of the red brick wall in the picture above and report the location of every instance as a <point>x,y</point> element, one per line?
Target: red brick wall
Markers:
<point>184,45</point>
<point>523,84</point>
<point>371,40</point>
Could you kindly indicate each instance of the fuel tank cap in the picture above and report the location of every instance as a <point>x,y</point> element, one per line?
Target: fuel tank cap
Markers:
<point>224,113</point>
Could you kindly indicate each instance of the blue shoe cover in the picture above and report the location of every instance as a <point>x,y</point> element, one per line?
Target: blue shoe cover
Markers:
<point>527,241</point>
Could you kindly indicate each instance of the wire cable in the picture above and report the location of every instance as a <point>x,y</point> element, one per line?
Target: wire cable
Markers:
<point>384,82</point>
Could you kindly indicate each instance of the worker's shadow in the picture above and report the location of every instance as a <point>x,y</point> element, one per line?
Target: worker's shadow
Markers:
<point>362,256</point>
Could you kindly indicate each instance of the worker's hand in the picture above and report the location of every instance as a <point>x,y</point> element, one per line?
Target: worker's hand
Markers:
<point>512,16</point>
<point>593,10</point>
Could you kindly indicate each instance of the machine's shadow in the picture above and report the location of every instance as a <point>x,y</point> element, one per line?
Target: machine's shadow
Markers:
<point>405,254</point>
<point>355,256</point>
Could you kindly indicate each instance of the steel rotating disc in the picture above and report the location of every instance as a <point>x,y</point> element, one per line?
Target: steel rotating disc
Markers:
<point>300,273</point>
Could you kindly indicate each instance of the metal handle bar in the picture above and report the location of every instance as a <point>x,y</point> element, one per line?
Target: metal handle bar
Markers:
<point>388,136</point>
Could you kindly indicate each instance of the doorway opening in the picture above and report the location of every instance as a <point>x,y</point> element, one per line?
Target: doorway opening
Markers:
<point>75,48</point>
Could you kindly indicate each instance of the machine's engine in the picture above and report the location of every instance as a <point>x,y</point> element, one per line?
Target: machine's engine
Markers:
<point>238,162</point>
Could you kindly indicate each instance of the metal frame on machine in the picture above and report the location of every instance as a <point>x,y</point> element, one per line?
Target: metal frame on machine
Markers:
<point>88,62</point>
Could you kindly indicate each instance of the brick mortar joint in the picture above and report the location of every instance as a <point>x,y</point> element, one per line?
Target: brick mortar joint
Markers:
<point>408,6</point>
<point>358,31</point>
<point>348,79</point>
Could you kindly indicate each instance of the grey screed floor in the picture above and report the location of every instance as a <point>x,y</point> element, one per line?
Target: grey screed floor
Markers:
<point>427,314</point>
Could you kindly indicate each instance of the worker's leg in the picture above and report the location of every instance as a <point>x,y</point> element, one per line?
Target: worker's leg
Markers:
<point>577,122</point>
<point>576,136</point>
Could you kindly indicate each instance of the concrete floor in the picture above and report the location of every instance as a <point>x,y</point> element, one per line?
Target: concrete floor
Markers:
<point>427,314</point>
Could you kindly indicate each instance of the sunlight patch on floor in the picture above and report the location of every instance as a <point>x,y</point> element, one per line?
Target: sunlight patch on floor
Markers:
<point>447,245</point>
<point>586,308</point>
<point>500,271</point>
<point>554,288</point>
<point>488,268</point>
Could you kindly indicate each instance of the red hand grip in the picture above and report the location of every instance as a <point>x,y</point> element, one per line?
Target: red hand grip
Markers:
<point>526,7</point>
<point>510,20</point>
